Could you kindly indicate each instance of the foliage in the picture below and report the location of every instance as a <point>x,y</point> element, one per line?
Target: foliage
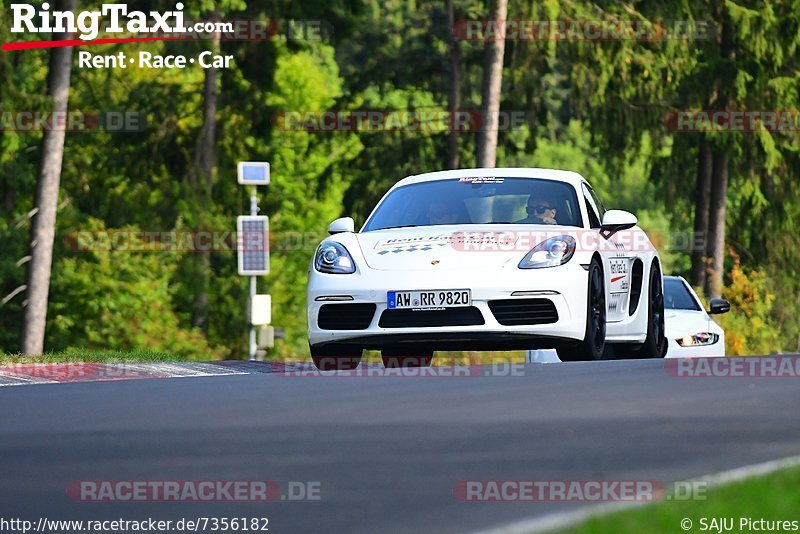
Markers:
<point>591,106</point>
<point>118,300</point>
<point>749,326</point>
<point>93,356</point>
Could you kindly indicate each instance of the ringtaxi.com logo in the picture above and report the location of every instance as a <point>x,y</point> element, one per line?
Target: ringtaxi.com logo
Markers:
<point>87,25</point>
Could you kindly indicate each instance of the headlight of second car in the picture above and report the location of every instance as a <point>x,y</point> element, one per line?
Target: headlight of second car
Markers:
<point>703,338</point>
<point>551,253</point>
<point>333,258</point>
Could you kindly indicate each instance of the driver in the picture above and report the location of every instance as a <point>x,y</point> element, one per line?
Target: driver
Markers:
<point>441,213</point>
<point>540,211</point>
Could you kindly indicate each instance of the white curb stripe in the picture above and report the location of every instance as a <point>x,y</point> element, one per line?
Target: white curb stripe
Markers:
<point>561,520</point>
<point>34,374</point>
<point>7,379</point>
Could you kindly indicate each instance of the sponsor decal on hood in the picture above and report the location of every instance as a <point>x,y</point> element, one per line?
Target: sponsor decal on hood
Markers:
<point>421,243</point>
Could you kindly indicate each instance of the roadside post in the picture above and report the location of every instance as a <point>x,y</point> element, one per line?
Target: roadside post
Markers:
<point>253,248</point>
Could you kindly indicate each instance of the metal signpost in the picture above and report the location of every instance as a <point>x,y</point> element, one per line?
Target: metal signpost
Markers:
<point>253,248</point>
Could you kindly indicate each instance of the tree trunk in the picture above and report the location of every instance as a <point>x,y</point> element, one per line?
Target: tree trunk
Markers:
<point>701,215</point>
<point>719,175</point>
<point>492,83</point>
<point>205,167</point>
<point>716,226</point>
<point>47,186</point>
<point>206,155</point>
<point>454,97</point>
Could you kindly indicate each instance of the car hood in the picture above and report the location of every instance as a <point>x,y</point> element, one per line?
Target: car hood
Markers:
<point>444,247</point>
<point>680,323</point>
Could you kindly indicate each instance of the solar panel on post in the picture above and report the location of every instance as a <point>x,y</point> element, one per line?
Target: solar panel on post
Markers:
<point>253,244</point>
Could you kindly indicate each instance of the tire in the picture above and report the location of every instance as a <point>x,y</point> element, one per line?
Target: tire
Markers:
<point>395,357</point>
<point>594,338</point>
<point>655,344</point>
<point>335,357</point>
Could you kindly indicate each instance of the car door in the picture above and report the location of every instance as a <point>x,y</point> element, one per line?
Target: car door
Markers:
<point>618,257</point>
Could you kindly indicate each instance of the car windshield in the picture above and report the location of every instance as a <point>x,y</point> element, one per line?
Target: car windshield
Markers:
<point>678,297</point>
<point>484,200</point>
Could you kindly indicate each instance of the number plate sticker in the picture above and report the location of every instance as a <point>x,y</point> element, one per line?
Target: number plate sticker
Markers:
<point>433,299</point>
<point>618,277</point>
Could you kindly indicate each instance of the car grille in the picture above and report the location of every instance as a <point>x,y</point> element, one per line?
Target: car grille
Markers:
<point>345,316</point>
<point>465,316</point>
<point>516,312</point>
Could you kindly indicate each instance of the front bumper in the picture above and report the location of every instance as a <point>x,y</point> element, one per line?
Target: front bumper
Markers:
<point>674,350</point>
<point>569,283</point>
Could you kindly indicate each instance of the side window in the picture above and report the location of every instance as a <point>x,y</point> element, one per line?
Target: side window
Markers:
<point>597,202</point>
<point>594,219</point>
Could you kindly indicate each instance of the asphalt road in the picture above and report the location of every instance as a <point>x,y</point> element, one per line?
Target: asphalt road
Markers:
<point>386,451</point>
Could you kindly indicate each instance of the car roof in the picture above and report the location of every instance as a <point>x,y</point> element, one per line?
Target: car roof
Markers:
<point>570,177</point>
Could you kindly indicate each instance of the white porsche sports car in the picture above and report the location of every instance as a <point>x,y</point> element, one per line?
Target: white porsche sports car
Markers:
<point>485,259</point>
<point>689,327</point>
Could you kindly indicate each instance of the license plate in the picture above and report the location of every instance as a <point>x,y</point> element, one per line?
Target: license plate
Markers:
<point>429,300</point>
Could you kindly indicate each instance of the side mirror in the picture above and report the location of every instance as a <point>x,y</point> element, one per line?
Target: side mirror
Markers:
<point>616,220</point>
<point>719,306</point>
<point>344,224</point>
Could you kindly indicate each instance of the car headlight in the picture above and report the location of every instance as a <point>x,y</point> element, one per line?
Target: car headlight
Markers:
<point>555,251</point>
<point>333,258</point>
<point>703,338</point>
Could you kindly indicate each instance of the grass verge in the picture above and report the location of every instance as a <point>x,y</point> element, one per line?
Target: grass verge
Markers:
<point>773,497</point>
<point>92,356</point>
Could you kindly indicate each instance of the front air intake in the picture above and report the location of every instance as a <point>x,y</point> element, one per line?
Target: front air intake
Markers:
<point>345,316</point>
<point>521,312</point>
<point>466,316</point>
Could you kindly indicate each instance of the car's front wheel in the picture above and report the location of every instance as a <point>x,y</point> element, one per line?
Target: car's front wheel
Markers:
<point>594,339</point>
<point>335,357</point>
<point>655,344</point>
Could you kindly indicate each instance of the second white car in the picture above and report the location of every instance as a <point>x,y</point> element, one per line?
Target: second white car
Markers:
<point>690,329</point>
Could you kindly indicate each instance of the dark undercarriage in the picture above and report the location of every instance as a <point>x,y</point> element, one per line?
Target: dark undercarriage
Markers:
<point>453,341</point>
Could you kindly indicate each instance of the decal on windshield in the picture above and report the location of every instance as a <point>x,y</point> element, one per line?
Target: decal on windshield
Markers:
<point>481,180</point>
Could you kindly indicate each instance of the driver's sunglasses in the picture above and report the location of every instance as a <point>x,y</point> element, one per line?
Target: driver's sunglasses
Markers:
<point>541,208</point>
